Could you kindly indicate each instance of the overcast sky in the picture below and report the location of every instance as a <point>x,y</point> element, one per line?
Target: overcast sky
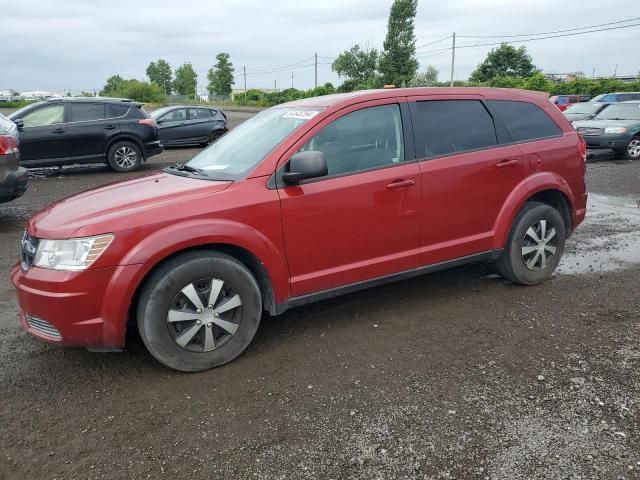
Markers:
<point>69,44</point>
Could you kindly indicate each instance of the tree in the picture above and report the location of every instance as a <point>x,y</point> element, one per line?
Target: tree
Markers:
<point>504,61</point>
<point>185,80</point>
<point>357,64</point>
<point>113,83</point>
<point>398,64</point>
<point>160,73</point>
<point>428,78</point>
<point>220,76</point>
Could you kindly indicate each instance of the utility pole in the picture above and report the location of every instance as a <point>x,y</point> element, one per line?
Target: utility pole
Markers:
<point>453,57</point>
<point>275,85</point>
<point>244,73</point>
<point>291,79</point>
<point>316,56</point>
<point>615,71</point>
<point>593,73</point>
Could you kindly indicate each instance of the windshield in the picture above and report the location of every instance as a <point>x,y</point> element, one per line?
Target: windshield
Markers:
<point>619,111</point>
<point>159,112</point>
<point>18,113</point>
<point>585,107</point>
<point>240,150</point>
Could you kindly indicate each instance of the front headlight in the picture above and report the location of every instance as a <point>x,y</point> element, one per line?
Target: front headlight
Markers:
<point>615,130</point>
<point>71,254</point>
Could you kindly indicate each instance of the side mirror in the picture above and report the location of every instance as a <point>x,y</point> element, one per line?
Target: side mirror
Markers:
<point>304,165</point>
<point>19,124</point>
<point>160,122</point>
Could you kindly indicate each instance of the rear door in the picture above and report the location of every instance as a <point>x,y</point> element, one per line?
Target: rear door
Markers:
<point>43,138</point>
<point>466,174</point>
<point>89,130</point>
<point>200,124</point>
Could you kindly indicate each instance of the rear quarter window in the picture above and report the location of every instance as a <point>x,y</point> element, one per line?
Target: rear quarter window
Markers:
<point>116,110</point>
<point>525,121</point>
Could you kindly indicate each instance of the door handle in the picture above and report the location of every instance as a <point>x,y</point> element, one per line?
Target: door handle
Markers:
<point>401,183</point>
<point>110,127</point>
<point>508,163</point>
<point>59,130</point>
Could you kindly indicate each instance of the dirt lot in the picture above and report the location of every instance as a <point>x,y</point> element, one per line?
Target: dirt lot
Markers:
<point>453,375</point>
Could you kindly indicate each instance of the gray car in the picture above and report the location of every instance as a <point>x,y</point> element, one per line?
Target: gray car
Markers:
<point>584,110</point>
<point>189,125</point>
<point>617,127</point>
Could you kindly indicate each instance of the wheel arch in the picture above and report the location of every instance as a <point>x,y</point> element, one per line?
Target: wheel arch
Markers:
<point>545,187</point>
<point>122,137</point>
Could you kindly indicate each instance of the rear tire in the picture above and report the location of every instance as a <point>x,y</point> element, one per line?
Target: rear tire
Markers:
<point>632,152</point>
<point>198,311</point>
<point>124,157</point>
<point>535,245</point>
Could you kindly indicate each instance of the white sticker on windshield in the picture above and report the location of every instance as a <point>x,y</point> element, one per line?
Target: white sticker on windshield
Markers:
<point>301,114</point>
<point>216,167</point>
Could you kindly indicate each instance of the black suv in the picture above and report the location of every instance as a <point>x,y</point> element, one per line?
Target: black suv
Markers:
<point>86,130</point>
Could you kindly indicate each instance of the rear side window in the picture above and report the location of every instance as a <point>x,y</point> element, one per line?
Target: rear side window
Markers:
<point>115,111</point>
<point>525,121</point>
<point>82,112</point>
<point>446,127</point>
<point>625,97</point>
<point>199,113</point>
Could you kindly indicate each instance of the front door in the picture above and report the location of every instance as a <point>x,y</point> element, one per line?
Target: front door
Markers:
<point>44,135</point>
<point>362,220</point>
<point>172,126</point>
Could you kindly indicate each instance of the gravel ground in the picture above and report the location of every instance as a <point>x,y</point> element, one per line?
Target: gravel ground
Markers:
<point>452,375</point>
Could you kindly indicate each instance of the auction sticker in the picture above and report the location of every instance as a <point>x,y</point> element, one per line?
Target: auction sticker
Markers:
<point>301,114</point>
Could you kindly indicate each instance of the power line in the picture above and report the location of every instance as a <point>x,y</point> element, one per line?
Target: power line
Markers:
<point>276,69</point>
<point>548,33</point>
<point>433,43</point>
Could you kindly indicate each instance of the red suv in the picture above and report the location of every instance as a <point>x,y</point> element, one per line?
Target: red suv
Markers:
<point>305,201</point>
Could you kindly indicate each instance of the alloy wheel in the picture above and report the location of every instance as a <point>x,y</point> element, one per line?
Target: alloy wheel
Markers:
<point>204,315</point>
<point>634,148</point>
<point>539,245</point>
<point>126,157</point>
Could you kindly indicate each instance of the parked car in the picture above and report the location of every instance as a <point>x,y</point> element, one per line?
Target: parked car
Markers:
<point>305,201</point>
<point>565,101</point>
<point>617,97</point>
<point>584,110</point>
<point>13,177</point>
<point>184,125</point>
<point>64,131</point>
<point>617,127</point>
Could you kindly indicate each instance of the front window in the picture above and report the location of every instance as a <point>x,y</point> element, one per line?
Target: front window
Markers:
<point>243,148</point>
<point>44,116</point>
<point>630,111</point>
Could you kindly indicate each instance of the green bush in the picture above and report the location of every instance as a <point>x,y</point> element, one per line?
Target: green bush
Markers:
<point>139,91</point>
<point>15,104</point>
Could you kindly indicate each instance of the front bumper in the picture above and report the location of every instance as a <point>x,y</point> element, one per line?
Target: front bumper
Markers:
<point>14,185</point>
<point>85,309</point>
<point>152,148</point>
<point>613,142</point>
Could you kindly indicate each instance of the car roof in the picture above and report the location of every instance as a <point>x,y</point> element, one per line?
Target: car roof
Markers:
<point>192,106</point>
<point>92,100</point>
<point>343,99</point>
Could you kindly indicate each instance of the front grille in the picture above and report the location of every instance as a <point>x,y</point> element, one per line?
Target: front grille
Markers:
<point>29,247</point>
<point>589,131</point>
<point>43,327</point>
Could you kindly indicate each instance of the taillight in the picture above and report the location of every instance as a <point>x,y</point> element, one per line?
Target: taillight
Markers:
<point>8,145</point>
<point>582,147</point>
<point>147,121</point>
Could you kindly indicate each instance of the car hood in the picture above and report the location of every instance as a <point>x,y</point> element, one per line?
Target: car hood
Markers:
<point>129,199</point>
<point>606,123</point>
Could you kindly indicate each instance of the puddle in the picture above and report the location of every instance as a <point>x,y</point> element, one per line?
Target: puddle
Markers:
<point>608,239</point>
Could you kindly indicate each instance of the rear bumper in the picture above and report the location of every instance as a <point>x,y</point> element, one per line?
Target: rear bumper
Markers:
<point>84,309</point>
<point>152,148</point>
<point>614,142</point>
<point>14,185</point>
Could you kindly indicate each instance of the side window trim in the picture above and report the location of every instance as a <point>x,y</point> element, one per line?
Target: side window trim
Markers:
<point>275,181</point>
<point>498,128</point>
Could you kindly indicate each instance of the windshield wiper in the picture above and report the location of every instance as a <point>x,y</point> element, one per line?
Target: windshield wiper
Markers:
<point>188,168</point>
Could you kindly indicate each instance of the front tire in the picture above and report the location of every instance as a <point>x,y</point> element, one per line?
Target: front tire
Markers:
<point>632,152</point>
<point>124,157</point>
<point>198,311</point>
<point>535,245</point>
